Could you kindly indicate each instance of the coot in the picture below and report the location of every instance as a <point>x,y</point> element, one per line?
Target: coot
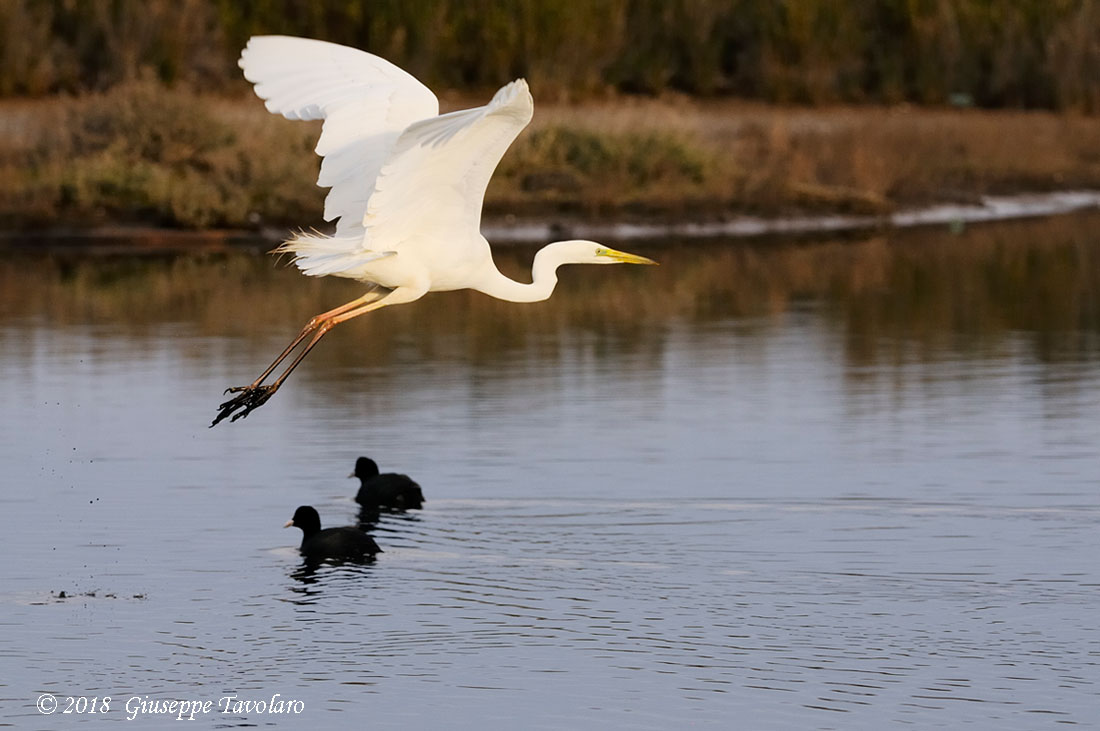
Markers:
<point>344,542</point>
<point>385,491</point>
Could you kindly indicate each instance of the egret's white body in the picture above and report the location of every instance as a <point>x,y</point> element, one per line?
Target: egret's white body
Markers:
<point>406,185</point>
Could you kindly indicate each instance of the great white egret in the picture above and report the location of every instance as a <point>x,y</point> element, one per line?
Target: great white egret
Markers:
<point>407,185</point>
<point>343,542</point>
<point>386,490</point>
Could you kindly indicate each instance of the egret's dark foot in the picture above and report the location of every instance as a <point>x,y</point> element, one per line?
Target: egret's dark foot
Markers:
<point>240,406</point>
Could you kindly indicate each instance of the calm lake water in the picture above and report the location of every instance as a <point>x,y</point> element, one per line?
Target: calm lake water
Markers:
<point>793,484</point>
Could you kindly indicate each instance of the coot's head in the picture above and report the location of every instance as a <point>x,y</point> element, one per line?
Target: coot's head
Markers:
<point>365,468</point>
<point>306,518</point>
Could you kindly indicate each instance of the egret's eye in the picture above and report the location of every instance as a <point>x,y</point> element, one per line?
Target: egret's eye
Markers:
<point>602,252</point>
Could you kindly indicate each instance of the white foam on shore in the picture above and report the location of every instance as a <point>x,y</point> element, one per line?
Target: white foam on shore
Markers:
<point>991,208</point>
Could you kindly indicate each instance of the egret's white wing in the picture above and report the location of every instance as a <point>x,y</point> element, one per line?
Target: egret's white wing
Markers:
<point>439,168</point>
<point>366,103</point>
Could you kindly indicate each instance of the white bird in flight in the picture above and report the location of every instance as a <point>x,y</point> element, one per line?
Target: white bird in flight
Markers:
<point>406,187</point>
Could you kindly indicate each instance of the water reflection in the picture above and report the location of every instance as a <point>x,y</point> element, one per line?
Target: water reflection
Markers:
<point>318,575</point>
<point>370,518</point>
<point>789,482</point>
<point>896,299</point>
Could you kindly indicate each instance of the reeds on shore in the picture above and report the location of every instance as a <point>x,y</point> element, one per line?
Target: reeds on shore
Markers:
<point>1018,53</point>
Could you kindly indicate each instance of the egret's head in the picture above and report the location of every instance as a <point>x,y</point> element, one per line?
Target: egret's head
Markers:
<point>590,252</point>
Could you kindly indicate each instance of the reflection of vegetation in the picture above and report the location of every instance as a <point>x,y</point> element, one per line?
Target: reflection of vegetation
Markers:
<point>910,295</point>
<point>1023,52</point>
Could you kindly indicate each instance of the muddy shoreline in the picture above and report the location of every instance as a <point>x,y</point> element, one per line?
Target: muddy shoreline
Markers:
<point>513,230</point>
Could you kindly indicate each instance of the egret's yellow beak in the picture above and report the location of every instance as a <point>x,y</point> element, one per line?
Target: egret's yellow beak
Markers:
<point>289,523</point>
<point>624,258</point>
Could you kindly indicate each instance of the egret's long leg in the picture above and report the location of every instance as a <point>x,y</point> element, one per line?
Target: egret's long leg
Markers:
<point>323,328</point>
<point>310,326</point>
<point>255,395</point>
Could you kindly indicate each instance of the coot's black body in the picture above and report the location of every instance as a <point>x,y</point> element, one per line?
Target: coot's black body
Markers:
<point>344,542</point>
<point>389,490</point>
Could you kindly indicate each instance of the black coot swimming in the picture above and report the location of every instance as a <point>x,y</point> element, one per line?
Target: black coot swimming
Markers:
<point>385,491</point>
<point>344,542</point>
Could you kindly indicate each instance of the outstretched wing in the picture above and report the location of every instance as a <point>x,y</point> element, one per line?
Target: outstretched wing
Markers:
<point>366,103</point>
<point>440,167</point>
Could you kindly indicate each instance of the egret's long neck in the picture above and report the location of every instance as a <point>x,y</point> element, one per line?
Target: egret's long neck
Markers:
<point>544,277</point>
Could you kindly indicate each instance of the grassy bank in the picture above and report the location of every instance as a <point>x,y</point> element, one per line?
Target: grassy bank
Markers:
<point>140,153</point>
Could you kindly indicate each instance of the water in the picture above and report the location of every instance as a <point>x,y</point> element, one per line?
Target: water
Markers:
<point>795,484</point>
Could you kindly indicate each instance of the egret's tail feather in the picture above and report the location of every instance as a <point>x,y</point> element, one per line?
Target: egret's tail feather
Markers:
<point>319,255</point>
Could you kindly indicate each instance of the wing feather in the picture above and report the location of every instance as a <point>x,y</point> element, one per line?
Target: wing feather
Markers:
<point>447,160</point>
<point>366,103</point>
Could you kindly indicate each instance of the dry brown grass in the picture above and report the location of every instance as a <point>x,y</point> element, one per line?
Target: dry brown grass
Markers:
<point>767,159</point>
<point>143,154</point>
